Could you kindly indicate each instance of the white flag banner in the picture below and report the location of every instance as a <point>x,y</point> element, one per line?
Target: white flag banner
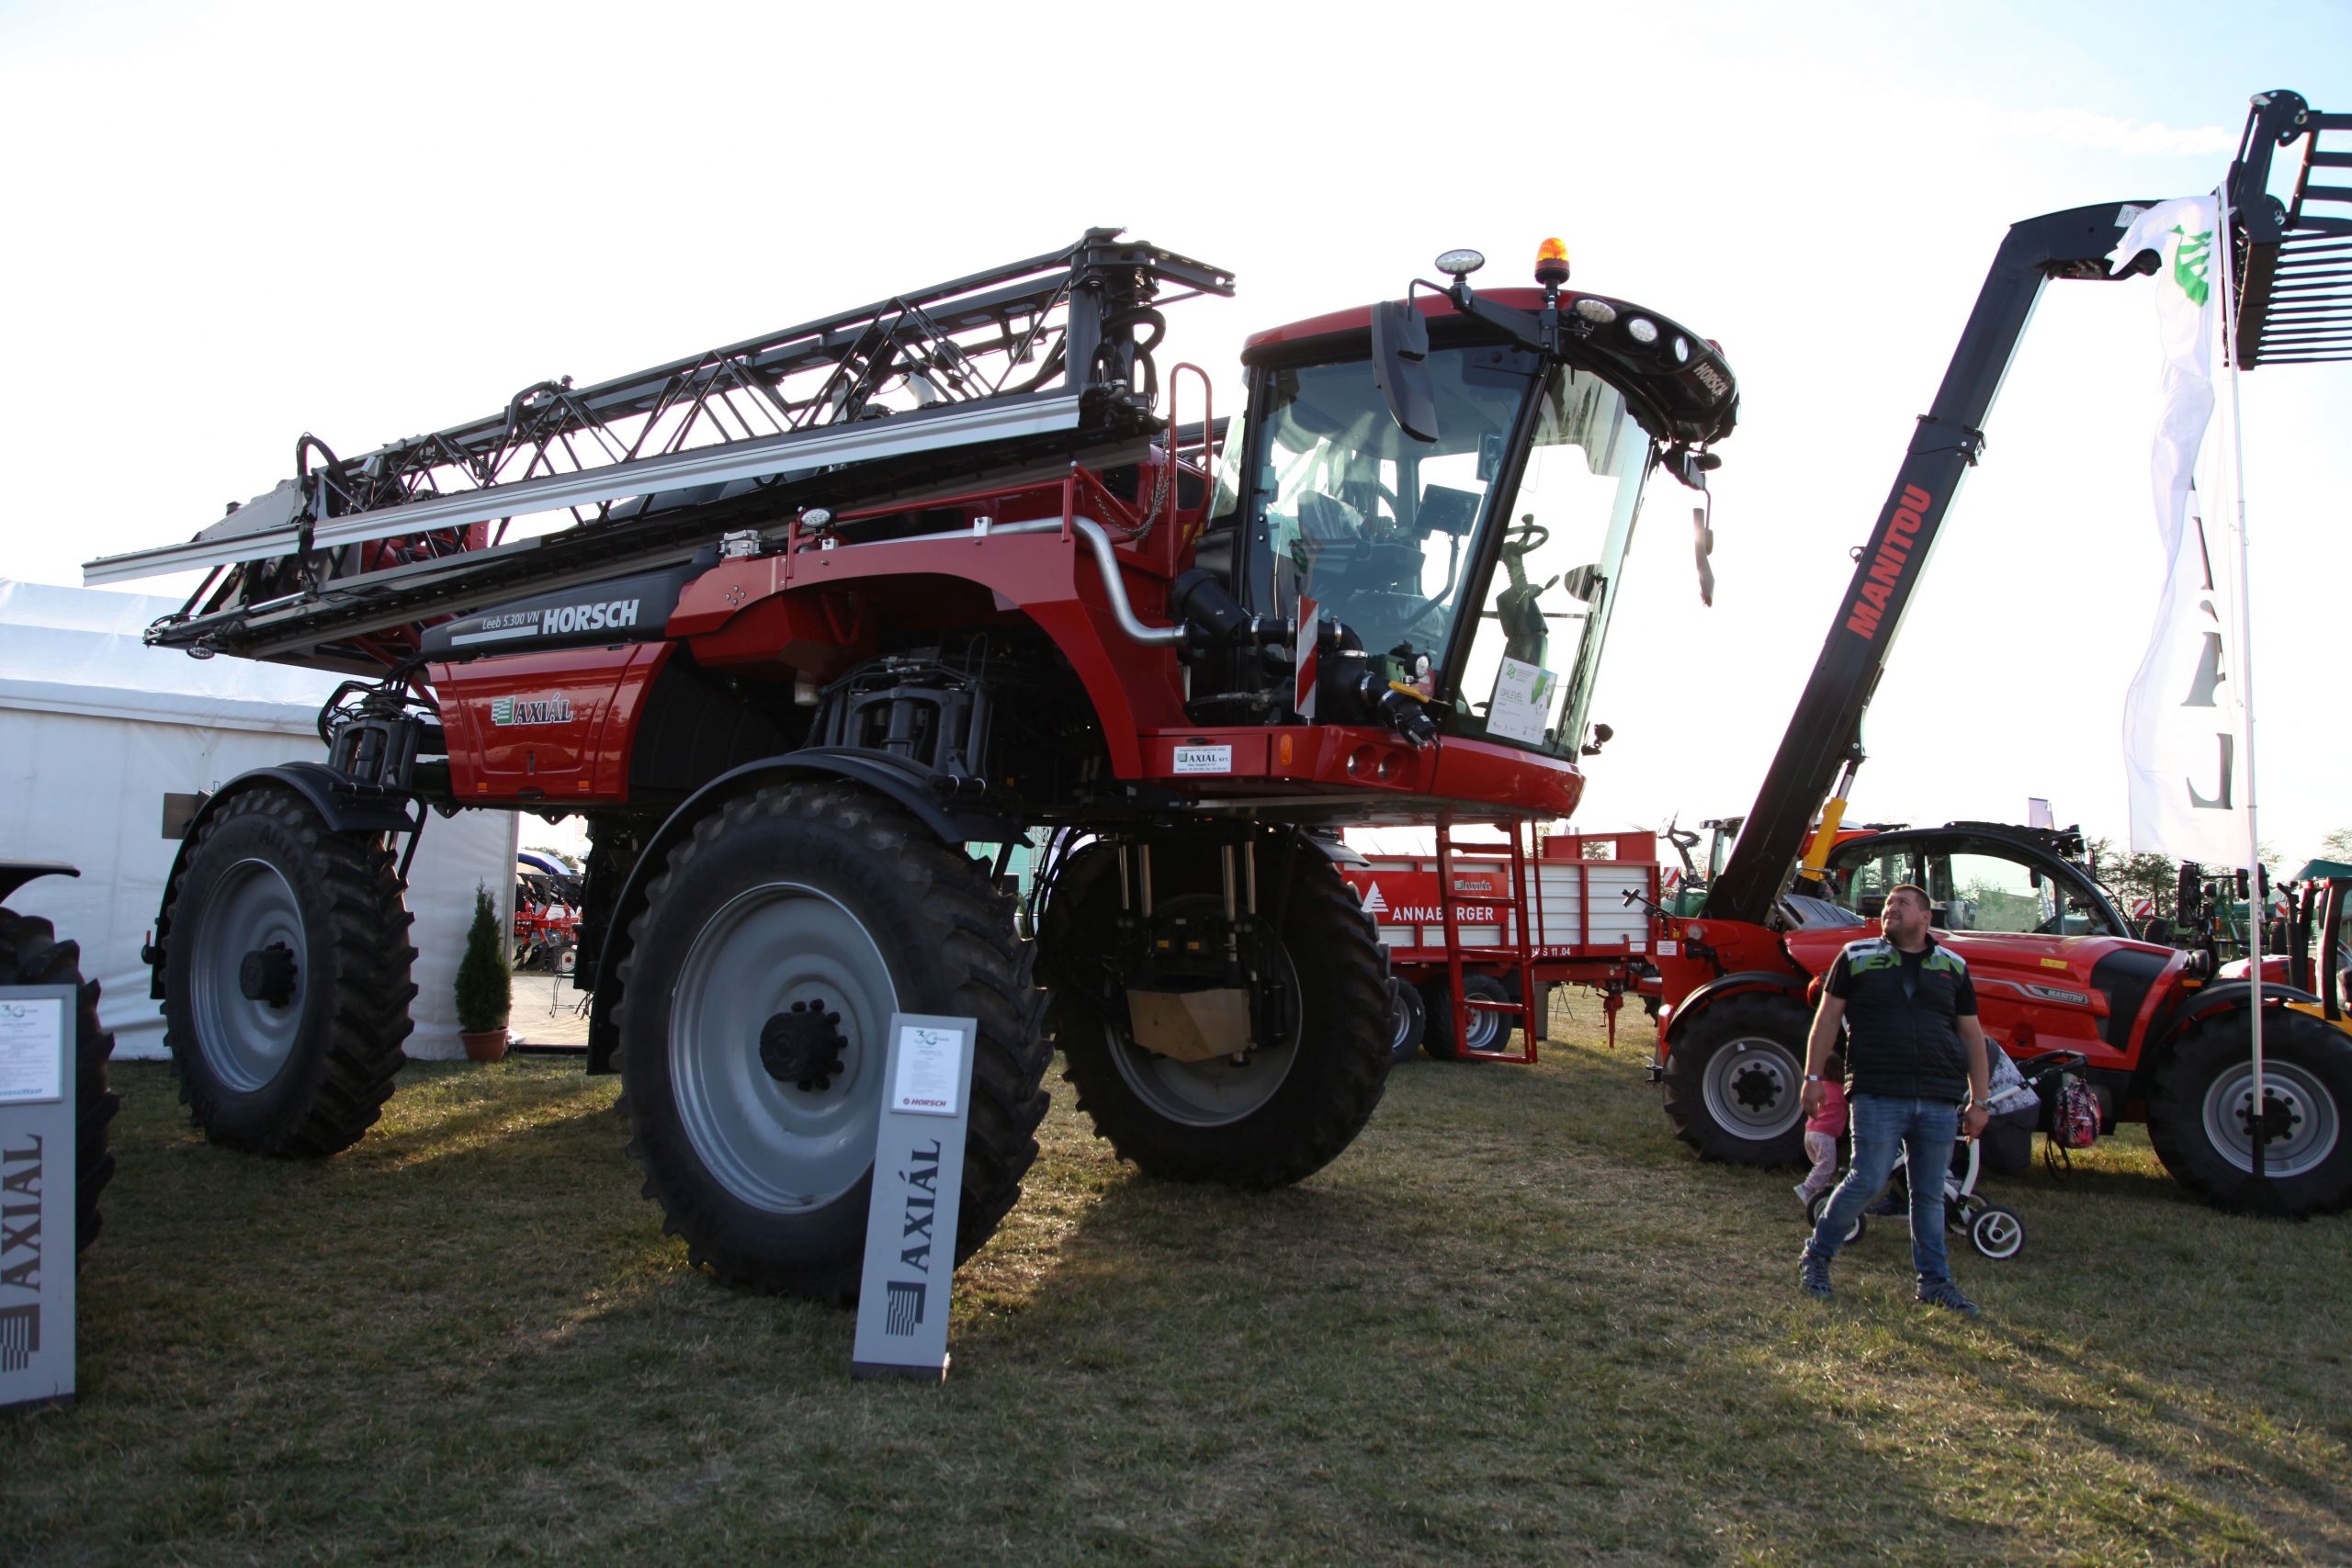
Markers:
<point>2183,722</point>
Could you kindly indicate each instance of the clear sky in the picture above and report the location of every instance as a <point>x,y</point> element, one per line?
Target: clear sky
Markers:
<point>233,223</point>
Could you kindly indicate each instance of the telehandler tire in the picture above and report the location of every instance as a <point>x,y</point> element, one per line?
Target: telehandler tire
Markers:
<point>754,1016</point>
<point>1281,1112</point>
<point>286,977</point>
<point>2204,1089</point>
<point>30,954</point>
<point>1734,1078</point>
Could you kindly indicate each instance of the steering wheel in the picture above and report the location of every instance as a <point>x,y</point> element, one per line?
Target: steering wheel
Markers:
<point>1525,536</point>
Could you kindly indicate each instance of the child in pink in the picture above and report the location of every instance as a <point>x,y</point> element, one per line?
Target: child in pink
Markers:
<point>1821,1135</point>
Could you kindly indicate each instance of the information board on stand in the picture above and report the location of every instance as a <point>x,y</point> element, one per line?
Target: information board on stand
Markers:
<point>37,1193</point>
<point>918,1183</point>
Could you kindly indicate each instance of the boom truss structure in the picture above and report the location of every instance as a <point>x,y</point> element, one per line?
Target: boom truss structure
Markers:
<point>986,377</point>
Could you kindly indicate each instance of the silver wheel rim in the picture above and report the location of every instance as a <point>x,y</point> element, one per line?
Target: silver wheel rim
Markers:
<point>1750,1087</point>
<point>1400,1021</point>
<point>775,1146</point>
<point>1997,1234</point>
<point>247,1042</point>
<point>1485,1028</point>
<point>2313,1118</point>
<point>1215,1093</point>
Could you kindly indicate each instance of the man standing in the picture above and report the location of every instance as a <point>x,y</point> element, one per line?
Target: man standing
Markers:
<point>1917,1055</point>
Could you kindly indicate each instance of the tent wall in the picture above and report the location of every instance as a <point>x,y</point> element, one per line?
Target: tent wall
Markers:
<point>95,729</point>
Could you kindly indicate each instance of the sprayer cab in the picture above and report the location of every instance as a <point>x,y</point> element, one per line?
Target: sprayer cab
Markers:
<point>1450,485</point>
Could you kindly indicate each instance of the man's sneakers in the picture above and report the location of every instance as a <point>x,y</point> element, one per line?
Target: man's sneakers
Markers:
<point>1945,1295</point>
<point>1813,1277</point>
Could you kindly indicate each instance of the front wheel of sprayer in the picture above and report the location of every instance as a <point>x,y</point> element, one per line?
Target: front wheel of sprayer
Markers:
<point>285,977</point>
<point>754,1015</point>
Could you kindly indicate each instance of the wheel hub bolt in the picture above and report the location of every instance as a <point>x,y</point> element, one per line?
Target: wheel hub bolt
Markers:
<point>803,1046</point>
<point>267,975</point>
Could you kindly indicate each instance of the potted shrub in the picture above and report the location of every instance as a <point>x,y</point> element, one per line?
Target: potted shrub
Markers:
<point>482,984</point>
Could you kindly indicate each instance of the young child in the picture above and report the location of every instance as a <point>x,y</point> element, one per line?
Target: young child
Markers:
<point>1820,1133</point>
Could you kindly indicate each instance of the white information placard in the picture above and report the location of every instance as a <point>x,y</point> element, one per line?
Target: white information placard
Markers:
<point>1204,759</point>
<point>908,1276</point>
<point>1521,702</point>
<point>30,1071</point>
<point>37,1190</point>
<point>930,1066</point>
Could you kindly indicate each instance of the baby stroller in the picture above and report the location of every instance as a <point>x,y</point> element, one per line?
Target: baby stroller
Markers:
<point>1992,1229</point>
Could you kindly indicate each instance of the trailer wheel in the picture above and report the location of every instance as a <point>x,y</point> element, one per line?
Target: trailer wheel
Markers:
<point>1281,1112</point>
<point>30,954</point>
<point>754,1017</point>
<point>1734,1078</point>
<point>286,977</point>
<point>1489,1032</point>
<point>2198,1110</point>
<point>1409,1021</point>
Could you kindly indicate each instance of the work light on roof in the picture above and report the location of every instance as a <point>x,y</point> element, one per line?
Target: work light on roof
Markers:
<point>1642,330</point>
<point>1681,350</point>
<point>1459,264</point>
<point>1599,312</point>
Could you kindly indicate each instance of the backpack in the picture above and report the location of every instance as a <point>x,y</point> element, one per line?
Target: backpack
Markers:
<point>2073,1119</point>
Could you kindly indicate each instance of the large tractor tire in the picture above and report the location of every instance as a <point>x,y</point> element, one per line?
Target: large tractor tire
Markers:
<point>1734,1081</point>
<point>1269,1116</point>
<point>754,1025</point>
<point>286,977</point>
<point>1489,1032</point>
<point>30,954</point>
<point>2203,1094</point>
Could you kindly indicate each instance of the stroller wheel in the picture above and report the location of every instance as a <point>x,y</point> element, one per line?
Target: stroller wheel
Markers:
<point>1820,1202</point>
<point>1997,1233</point>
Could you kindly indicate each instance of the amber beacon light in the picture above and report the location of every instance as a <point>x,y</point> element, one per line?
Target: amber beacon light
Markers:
<point>1552,263</point>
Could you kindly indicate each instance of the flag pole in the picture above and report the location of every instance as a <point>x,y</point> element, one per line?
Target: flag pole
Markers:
<point>2258,902</point>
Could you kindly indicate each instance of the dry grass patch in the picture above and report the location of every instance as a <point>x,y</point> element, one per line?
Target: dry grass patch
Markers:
<point>1515,1322</point>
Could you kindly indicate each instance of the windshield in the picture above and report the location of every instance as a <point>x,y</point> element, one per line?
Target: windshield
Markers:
<point>1371,525</point>
<point>1535,658</point>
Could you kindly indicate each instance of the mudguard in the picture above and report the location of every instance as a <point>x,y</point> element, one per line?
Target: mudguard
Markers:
<point>1726,985</point>
<point>908,785</point>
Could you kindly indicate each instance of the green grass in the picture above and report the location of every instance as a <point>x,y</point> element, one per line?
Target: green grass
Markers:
<point>1515,1322</point>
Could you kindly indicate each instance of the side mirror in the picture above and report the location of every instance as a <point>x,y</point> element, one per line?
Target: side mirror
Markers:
<point>1400,368</point>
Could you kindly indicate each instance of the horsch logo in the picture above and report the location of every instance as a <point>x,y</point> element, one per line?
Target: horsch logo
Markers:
<point>609,616</point>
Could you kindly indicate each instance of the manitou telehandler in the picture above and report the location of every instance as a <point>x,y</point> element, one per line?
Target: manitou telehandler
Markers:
<point>2055,967</point>
<point>829,607</point>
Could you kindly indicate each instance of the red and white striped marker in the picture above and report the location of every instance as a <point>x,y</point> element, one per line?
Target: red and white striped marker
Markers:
<point>1307,654</point>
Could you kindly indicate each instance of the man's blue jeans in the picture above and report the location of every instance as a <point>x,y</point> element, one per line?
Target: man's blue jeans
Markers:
<point>1924,1131</point>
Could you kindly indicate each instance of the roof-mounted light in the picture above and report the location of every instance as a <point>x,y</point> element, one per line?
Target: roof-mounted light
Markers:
<point>1459,265</point>
<point>1681,350</point>
<point>1642,330</point>
<point>1599,312</point>
<point>1552,263</point>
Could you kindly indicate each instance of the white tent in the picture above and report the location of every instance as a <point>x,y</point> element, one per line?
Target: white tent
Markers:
<point>95,728</point>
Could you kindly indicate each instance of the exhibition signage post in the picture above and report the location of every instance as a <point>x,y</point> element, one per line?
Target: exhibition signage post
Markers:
<point>37,1193</point>
<point>918,1180</point>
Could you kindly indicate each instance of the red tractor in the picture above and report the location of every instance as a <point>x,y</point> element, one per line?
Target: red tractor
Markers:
<point>2055,968</point>
<point>835,618</point>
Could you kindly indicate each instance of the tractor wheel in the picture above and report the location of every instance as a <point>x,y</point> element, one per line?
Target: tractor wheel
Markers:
<point>1409,1019</point>
<point>2200,1107</point>
<point>754,1020</point>
<point>30,954</point>
<point>286,977</point>
<point>1269,1115</point>
<point>1489,1032</point>
<point>1734,1080</point>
